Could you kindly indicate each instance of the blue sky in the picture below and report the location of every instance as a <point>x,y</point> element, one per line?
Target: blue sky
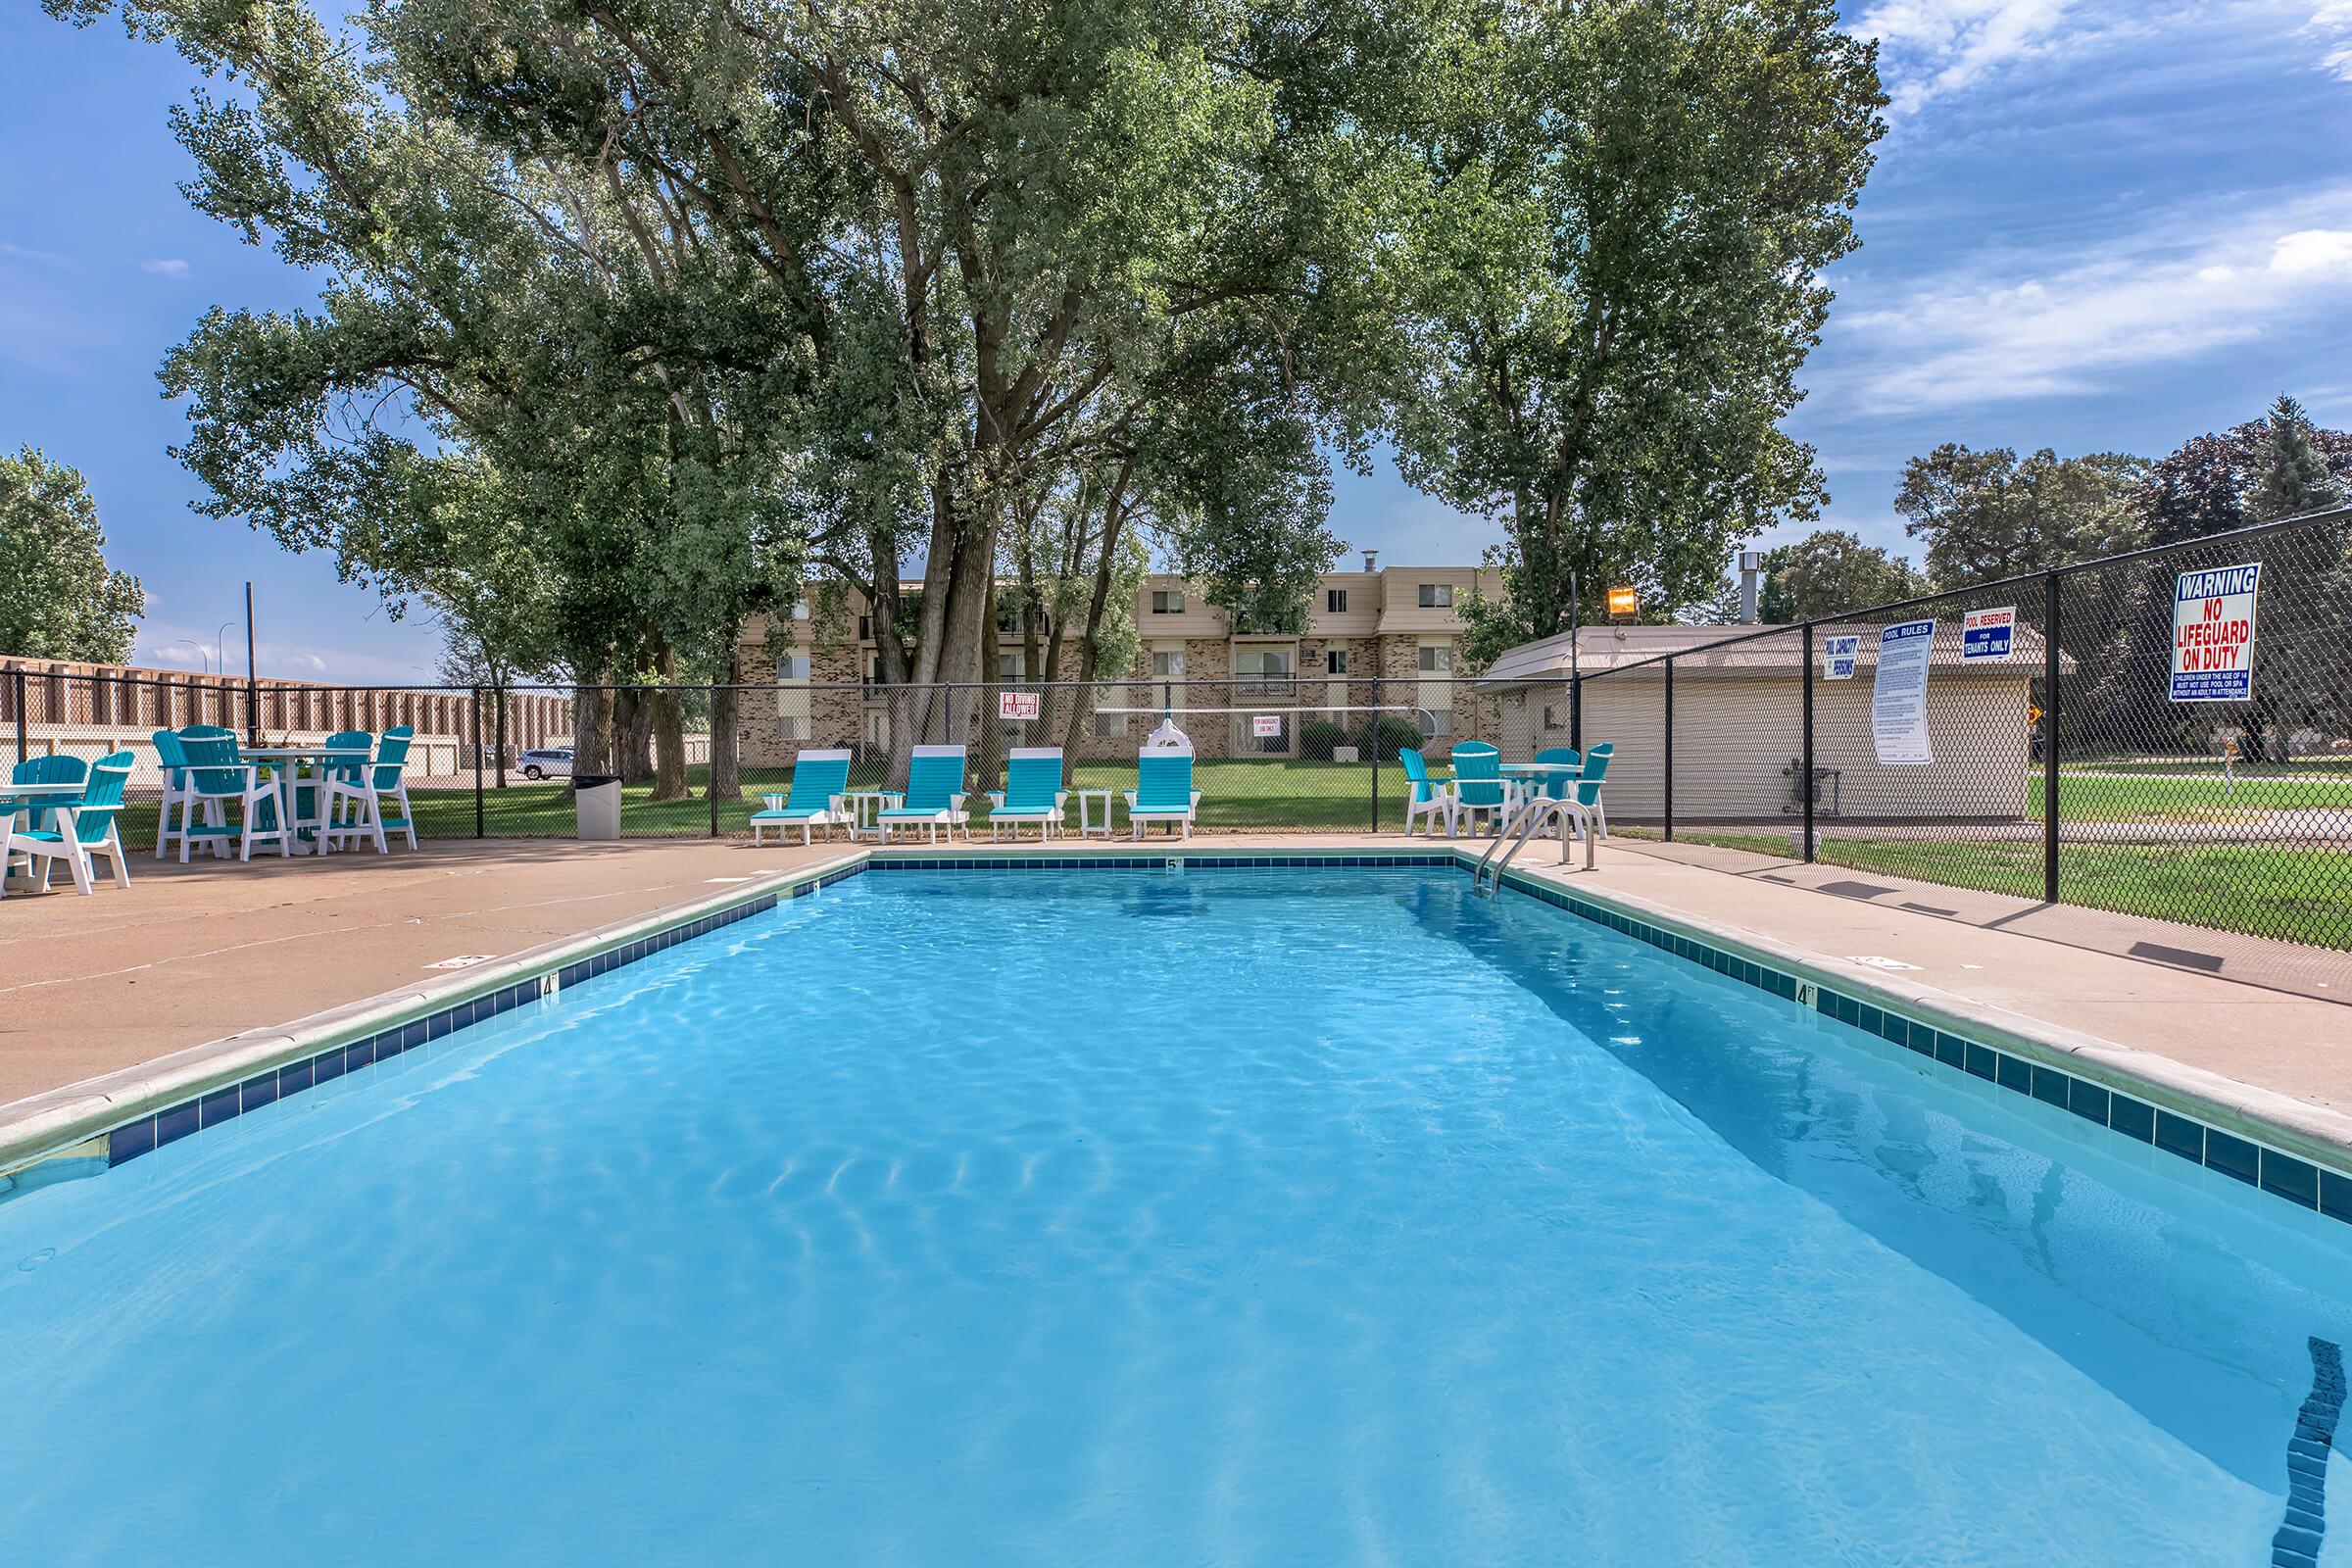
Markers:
<point>2092,226</point>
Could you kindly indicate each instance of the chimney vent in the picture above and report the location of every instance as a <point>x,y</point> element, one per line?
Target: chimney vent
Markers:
<point>1751,573</point>
<point>1370,555</point>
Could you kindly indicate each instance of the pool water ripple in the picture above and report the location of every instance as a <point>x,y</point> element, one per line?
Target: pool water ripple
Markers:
<point>1247,1217</point>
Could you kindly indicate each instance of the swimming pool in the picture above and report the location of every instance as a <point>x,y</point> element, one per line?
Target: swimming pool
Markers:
<point>1160,1217</point>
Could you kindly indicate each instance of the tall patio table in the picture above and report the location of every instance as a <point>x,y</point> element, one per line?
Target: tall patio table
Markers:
<point>282,760</point>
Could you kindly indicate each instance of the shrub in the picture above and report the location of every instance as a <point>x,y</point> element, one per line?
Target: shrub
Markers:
<point>1394,735</point>
<point>1318,738</point>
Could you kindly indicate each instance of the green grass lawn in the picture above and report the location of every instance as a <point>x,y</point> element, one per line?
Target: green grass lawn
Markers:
<point>2149,798</point>
<point>2292,895</point>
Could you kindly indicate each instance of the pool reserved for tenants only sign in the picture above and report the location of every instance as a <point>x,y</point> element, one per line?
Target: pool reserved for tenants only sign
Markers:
<point>2212,634</point>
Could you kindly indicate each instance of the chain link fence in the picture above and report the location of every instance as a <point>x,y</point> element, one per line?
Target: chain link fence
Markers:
<point>2159,734</point>
<point>2029,738</point>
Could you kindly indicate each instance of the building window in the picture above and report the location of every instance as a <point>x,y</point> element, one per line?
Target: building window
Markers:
<point>1336,661</point>
<point>1109,726</point>
<point>1554,716</point>
<point>1265,663</point>
<point>800,609</point>
<point>1167,663</point>
<point>1440,721</point>
<point>1335,600</point>
<point>1167,601</point>
<point>792,727</point>
<point>1436,596</point>
<point>1437,660</point>
<point>866,628</point>
<point>793,668</point>
<point>1008,667</point>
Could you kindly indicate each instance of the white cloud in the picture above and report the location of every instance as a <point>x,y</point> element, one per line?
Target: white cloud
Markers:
<point>167,267</point>
<point>26,253</point>
<point>2331,27</point>
<point>1934,47</point>
<point>1999,327</point>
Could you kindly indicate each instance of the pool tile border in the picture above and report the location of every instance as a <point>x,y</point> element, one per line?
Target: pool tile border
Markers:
<point>2302,1182</point>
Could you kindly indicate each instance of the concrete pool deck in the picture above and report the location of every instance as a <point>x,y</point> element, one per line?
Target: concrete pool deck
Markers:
<point>96,986</point>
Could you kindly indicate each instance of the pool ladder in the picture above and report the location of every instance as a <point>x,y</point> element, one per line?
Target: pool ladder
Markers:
<point>1540,811</point>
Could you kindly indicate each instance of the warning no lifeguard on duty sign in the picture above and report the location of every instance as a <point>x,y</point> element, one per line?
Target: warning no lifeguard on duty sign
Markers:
<point>2212,634</point>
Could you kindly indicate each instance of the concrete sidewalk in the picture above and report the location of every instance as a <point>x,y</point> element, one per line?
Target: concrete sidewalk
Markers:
<point>88,986</point>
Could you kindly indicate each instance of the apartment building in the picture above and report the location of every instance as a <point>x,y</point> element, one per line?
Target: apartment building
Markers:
<point>1399,624</point>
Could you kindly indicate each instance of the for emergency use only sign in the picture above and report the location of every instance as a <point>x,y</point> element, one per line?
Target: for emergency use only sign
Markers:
<point>2212,634</point>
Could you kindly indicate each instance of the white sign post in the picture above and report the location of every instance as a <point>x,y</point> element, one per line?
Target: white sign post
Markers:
<point>1837,656</point>
<point>1898,697</point>
<point>1017,705</point>
<point>1986,633</point>
<point>1267,726</point>
<point>2212,634</point>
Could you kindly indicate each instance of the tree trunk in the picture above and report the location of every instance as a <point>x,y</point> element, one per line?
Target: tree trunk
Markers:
<point>633,734</point>
<point>668,732</point>
<point>726,759</point>
<point>591,730</point>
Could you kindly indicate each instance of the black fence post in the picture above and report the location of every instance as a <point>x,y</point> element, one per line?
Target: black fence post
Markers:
<point>1576,712</point>
<point>711,763</point>
<point>1804,764</point>
<point>2050,737</point>
<point>477,763</point>
<point>1372,733</point>
<point>23,746</point>
<point>1669,801</point>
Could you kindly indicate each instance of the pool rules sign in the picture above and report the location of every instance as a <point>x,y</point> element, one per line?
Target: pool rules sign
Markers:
<point>2212,634</point>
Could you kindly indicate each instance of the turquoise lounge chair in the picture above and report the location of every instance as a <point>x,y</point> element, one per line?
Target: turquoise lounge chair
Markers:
<point>820,780</point>
<point>1479,785</point>
<point>82,828</point>
<point>1163,791</point>
<point>934,794</point>
<point>1429,800</point>
<point>1032,792</point>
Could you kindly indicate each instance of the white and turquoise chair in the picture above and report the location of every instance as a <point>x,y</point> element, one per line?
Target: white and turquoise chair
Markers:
<point>78,830</point>
<point>820,780</point>
<point>1552,786</point>
<point>934,794</point>
<point>317,800</point>
<point>1428,800</point>
<point>376,802</point>
<point>1588,788</point>
<point>1033,792</point>
<point>216,780</point>
<point>169,752</point>
<point>31,812</point>
<point>1163,791</point>
<point>1479,787</point>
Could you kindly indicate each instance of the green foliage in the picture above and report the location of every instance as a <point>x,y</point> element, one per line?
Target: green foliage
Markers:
<point>1614,277</point>
<point>1829,572</point>
<point>58,598</point>
<point>1988,515</point>
<point>2294,475</point>
<point>1391,734</point>
<point>1319,738</point>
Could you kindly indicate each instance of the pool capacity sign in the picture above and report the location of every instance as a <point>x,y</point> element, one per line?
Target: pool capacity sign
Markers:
<point>2212,634</point>
<point>1898,697</point>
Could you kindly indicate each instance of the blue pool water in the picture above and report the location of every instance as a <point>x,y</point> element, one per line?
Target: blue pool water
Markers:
<point>1166,1218</point>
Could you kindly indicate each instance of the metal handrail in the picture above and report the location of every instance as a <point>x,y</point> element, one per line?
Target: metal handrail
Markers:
<point>1535,813</point>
